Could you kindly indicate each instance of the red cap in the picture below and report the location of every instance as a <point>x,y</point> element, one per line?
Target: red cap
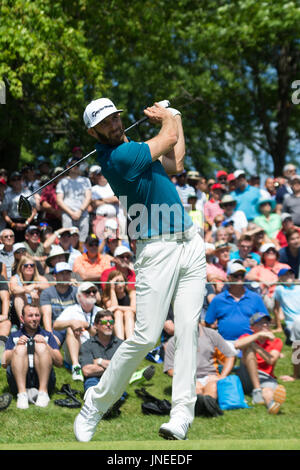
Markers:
<point>75,149</point>
<point>221,173</point>
<point>2,181</point>
<point>217,186</point>
<point>230,177</point>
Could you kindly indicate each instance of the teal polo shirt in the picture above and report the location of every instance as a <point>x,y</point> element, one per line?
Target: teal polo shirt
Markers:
<point>247,201</point>
<point>144,190</point>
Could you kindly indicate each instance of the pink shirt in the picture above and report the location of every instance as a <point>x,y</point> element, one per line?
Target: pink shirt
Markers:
<point>216,271</point>
<point>212,209</point>
<point>269,275</point>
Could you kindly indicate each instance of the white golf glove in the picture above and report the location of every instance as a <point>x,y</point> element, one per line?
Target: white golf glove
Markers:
<point>174,111</point>
<point>164,103</point>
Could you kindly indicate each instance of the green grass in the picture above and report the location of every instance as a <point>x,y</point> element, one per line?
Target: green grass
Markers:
<point>253,428</point>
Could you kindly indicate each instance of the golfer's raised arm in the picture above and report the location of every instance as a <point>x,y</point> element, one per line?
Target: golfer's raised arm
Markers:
<point>173,162</point>
<point>167,137</point>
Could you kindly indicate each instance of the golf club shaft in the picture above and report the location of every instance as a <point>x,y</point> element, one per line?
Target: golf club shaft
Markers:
<point>137,123</point>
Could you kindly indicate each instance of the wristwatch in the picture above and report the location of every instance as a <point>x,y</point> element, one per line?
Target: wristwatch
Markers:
<point>99,362</point>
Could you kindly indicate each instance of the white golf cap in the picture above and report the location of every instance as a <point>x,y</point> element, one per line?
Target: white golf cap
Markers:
<point>18,246</point>
<point>97,110</point>
<point>60,267</point>
<point>84,286</point>
<point>238,173</point>
<point>120,250</point>
<point>267,246</point>
<point>235,266</point>
<point>95,169</point>
<point>285,216</point>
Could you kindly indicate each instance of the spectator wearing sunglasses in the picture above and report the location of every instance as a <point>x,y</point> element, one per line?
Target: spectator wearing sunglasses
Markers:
<point>97,352</point>
<point>33,244</point>
<point>122,262</point>
<point>233,307</point>
<point>239,219</point>
<point>26,286</point>
<point>90,265</point>
<point>78,321</point>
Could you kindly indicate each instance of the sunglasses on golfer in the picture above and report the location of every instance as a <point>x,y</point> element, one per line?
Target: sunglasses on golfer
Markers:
<point>107,322</point>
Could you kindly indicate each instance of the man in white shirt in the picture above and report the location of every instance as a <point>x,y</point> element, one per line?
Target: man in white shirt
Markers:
<point>78,320</point>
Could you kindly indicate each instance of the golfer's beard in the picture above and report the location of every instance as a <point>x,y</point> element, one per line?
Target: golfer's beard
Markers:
<point>87,303</point>
<point>111,140</point>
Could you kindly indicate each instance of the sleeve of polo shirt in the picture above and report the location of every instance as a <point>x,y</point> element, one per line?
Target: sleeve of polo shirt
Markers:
<point>52,341</point>
<point>260,306</point>
<point>85,354</point>
<point>211,313</point>
<point>131,159</point>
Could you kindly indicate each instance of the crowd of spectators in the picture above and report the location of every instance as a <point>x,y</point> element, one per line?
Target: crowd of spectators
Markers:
<point>67,277</point>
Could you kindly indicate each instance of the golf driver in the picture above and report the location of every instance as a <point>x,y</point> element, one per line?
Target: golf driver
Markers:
<point>24,206</point>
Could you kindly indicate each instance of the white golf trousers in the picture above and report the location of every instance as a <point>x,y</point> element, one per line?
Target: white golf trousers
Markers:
<point>167,271</point>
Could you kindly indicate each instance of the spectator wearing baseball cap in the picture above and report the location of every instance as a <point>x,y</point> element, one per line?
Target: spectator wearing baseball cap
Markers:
<point>260,352</point>
<point>122,263</point>
<point>78,320</point>
<point>90,265</point>
<point>183,188</point>
<point>235,305</point>
<point>212,206</point>
<point>266,273</point>
<point>246,196</point>
<point>33,244</point>
<point>221,178</point>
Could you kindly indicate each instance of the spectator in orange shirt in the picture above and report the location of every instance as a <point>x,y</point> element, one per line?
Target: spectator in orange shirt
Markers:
<point>91,264</point>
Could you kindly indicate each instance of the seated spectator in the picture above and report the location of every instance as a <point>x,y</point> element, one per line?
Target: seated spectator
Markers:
<point>122,302</point>
<point>287,305</point>
<point>245,253</point>
<point>169,327</point>
<point>291,203</point>
<point>228,204</point>
<point>266,273</point>
<point>78,320</point>
<point>261,351</point>
<point>33,245</point>
<point>122,262</point>
<point>212,206</point>
<point>10,211</point>
<point>63,238</point>
<point>245,195</point>
<point>290,255</point>
<point>58,255</point>
<point>56,298</point>
<point>232,234</point>
<point>7,238</point>
<point>5,323</point>
<point>26,286</point>
<point>233,307</point>
<point>270,188</point>
<point>219,268</point>
<point>22,374</point>
<point>51,211</point>
<point>295,341</point>
<point>90,265</point>
<point>20,250</point>
<point>97,352</point>
<point>210,342</point>
<point>268,220</point>
<point>287,224</point>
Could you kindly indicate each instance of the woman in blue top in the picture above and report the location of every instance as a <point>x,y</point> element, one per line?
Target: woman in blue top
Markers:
<point>170,259</point>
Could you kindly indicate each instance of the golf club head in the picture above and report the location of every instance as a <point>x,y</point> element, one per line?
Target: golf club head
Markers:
<point>24,207</point>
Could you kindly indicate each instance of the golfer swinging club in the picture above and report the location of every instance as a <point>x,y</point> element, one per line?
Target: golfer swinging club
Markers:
<point>170,260</point>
